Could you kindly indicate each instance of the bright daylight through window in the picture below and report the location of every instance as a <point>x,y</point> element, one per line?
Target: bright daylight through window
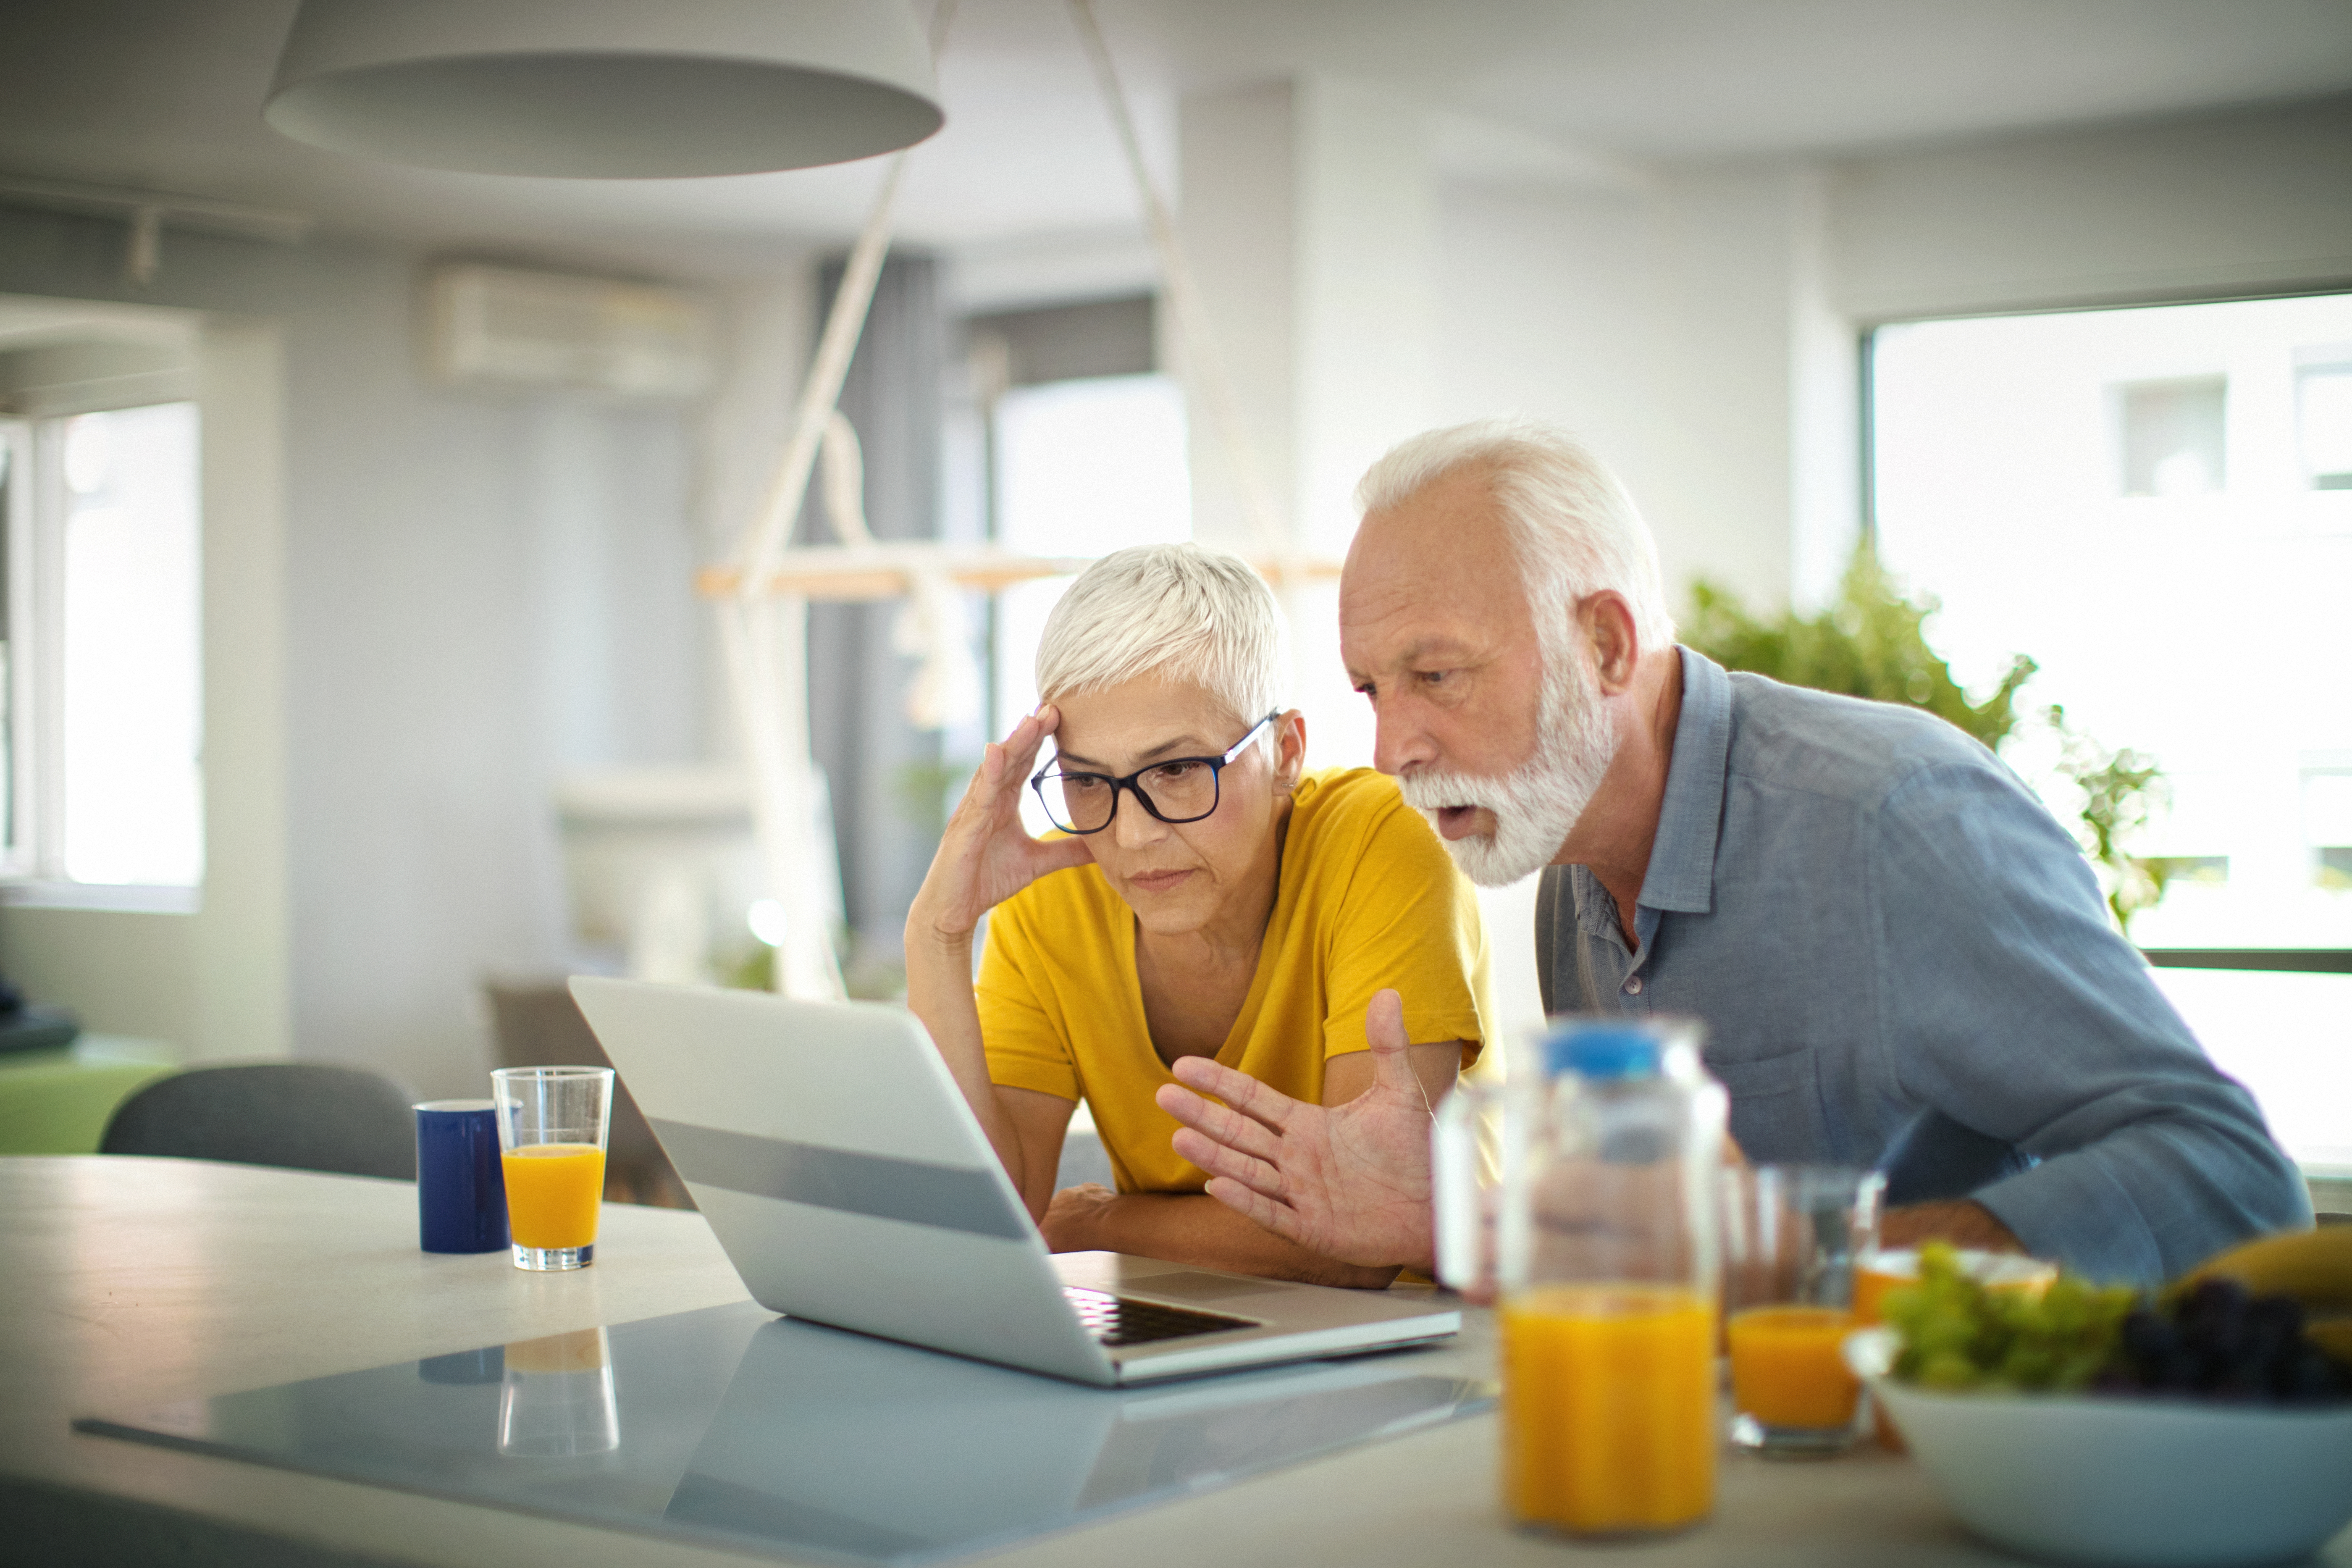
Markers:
<point>1082,468</point>
<point>102,639</point>
<point>2156,505</point>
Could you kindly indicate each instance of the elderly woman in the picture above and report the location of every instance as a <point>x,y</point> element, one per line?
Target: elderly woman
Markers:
<point>1204,896</point>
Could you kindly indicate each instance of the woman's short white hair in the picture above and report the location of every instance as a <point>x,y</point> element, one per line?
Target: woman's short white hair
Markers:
<point>1573,526</point>
<point>1176,610</point>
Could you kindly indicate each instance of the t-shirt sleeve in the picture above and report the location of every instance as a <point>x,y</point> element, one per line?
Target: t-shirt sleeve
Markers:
<point>1408,922</point>
<point>1017,1033</point>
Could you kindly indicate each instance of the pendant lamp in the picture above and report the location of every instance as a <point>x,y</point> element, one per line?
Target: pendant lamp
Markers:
<point>606,88</point>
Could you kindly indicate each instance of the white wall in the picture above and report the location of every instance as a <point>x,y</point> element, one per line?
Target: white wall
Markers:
<point>1659,320</point>
<point>479,595</point>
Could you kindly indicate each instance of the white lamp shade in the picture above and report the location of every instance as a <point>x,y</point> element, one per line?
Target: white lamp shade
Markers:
<point>606,88</point>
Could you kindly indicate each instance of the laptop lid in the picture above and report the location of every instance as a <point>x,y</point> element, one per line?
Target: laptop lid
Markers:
<point>835,1159</point>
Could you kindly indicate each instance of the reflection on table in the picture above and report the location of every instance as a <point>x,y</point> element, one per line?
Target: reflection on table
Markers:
<point>730,1424</point>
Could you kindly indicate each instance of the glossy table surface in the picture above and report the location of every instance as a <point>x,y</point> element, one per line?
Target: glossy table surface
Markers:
<point>129,1284</point>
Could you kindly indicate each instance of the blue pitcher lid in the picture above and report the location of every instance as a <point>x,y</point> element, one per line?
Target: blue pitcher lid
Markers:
<point>1596,1050</point>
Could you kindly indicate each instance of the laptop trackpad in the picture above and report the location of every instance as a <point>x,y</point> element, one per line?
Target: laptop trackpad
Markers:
<point>1192,1286</point>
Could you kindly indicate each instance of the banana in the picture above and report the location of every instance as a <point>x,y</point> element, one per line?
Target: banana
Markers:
<point>2314,1267</point>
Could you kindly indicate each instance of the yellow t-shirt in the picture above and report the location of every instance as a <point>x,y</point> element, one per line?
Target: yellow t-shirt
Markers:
<point>1367,898</point>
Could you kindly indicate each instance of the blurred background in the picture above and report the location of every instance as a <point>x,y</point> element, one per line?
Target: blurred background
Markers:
<point>355,677</point>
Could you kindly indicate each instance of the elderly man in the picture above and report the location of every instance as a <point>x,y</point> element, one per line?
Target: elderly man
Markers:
<point>1902,960</point>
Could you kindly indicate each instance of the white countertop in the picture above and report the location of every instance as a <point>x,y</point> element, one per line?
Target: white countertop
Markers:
<point>127,1282</point>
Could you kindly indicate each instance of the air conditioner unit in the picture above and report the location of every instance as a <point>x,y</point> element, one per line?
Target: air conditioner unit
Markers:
<point>504,327</point>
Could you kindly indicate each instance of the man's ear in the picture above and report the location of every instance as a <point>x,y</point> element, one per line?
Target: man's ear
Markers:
<point>1607,622</point>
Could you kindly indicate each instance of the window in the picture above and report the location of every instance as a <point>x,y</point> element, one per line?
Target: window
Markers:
<point>2172,437</point>
<point>2324,420</point>
<point>1086,456</point>
<point>101,644</point>
<point>2155,504</point>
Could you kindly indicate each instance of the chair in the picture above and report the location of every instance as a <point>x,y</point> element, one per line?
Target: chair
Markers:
<point>305,1116</point>
<point>539,1025</point>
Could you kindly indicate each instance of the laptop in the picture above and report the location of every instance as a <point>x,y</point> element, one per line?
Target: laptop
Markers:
<point>850,1183</point>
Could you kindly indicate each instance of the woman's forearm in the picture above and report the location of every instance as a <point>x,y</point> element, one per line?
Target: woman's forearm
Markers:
<point>939,993</point>
<point>1191,1228</point>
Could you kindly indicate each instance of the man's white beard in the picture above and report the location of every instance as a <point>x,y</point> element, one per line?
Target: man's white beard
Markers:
<point>1538,802</point>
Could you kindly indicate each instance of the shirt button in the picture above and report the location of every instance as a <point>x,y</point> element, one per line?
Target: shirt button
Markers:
<point>1634,987</point>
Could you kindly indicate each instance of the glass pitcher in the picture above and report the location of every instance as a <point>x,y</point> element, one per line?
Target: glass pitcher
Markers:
<point>1585,1201</point>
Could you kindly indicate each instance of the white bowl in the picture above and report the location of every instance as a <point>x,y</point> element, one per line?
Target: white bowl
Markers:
<point>2148,1483</point>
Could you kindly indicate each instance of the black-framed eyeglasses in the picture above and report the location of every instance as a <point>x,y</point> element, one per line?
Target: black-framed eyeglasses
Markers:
<point>1179,790</point>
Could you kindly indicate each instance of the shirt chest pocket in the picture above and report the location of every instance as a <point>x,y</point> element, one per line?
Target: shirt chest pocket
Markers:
<point>1776,1106</point>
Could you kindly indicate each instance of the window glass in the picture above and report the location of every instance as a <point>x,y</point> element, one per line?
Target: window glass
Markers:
<point>1082,468</point>
<point>131,796</point>
<point>2324,418</point>
<point>2172,437</point>
<point>2198,612</point>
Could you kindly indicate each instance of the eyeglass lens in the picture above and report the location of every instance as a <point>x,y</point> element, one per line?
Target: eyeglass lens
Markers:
<point>1181,791</point>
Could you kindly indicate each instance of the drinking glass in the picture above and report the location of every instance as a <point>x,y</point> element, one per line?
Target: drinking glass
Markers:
<point>552,1123</point>
<point>1791,1234</point>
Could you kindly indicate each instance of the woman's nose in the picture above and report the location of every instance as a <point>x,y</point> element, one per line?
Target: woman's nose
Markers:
<point>1132,827</point>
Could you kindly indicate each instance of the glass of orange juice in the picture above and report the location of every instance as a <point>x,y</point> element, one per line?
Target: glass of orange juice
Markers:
<point>1792,1235</point>
<point>552,1123</point>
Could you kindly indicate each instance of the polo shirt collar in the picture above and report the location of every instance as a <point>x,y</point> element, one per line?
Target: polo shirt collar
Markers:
<point>1681,873</point>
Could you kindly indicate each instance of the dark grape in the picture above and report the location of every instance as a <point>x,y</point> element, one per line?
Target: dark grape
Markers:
<point>2149,1335</point>
<point>2309,1376</point>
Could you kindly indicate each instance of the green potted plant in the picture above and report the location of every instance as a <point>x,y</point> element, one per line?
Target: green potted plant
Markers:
<point>1869,644</point>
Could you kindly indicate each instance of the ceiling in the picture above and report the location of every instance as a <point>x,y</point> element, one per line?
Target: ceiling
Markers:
<point>165,94</point>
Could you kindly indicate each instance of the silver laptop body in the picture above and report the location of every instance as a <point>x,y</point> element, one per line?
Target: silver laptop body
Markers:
<point>849,1182</point>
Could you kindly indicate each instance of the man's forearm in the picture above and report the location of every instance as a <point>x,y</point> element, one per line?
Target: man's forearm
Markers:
<point>1195,1228</point>
<point>1961,1223</point>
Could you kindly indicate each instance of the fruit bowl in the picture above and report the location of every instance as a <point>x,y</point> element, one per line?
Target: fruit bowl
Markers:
<point>2143,1481</point>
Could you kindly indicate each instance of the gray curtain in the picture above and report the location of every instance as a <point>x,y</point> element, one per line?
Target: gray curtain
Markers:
<point>883,772</point>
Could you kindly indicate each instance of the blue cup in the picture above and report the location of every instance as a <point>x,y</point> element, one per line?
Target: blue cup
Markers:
<point>461,1188</point>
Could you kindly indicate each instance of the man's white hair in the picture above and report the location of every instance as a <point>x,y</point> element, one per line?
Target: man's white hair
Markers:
<point>1175,610</point>
<point>1571,524</point>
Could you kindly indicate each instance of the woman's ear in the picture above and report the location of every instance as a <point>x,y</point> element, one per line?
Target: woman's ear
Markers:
<point>1289,751</point>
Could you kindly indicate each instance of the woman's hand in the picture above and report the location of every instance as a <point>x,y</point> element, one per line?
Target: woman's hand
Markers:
<point>986,856</point>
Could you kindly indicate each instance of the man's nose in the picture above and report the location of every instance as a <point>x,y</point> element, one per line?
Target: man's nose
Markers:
<point>1399,741</point>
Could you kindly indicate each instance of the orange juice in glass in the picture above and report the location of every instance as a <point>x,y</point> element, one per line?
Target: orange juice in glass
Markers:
<point>1609,1408</point>
<point>1791,1237</point>
<point>552,1125</point>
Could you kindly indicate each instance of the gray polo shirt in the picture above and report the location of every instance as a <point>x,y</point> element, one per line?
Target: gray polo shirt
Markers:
<point>1904,961</point>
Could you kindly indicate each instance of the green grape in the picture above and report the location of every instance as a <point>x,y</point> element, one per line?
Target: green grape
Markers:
<point>1957,1334</point>
<point>1950,1373</point>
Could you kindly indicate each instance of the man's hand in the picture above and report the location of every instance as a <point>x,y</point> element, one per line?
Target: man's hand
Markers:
<point>1352,1182</point>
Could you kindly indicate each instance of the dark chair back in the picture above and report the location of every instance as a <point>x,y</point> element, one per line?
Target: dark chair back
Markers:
<point>305,1116</point>
<point>539,1025</point>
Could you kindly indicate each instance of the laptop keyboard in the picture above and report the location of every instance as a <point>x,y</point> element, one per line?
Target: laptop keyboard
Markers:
<point>1119,1320</point>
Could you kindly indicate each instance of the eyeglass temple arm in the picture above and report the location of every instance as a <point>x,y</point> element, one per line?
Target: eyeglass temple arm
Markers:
<point>1243,744</point>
